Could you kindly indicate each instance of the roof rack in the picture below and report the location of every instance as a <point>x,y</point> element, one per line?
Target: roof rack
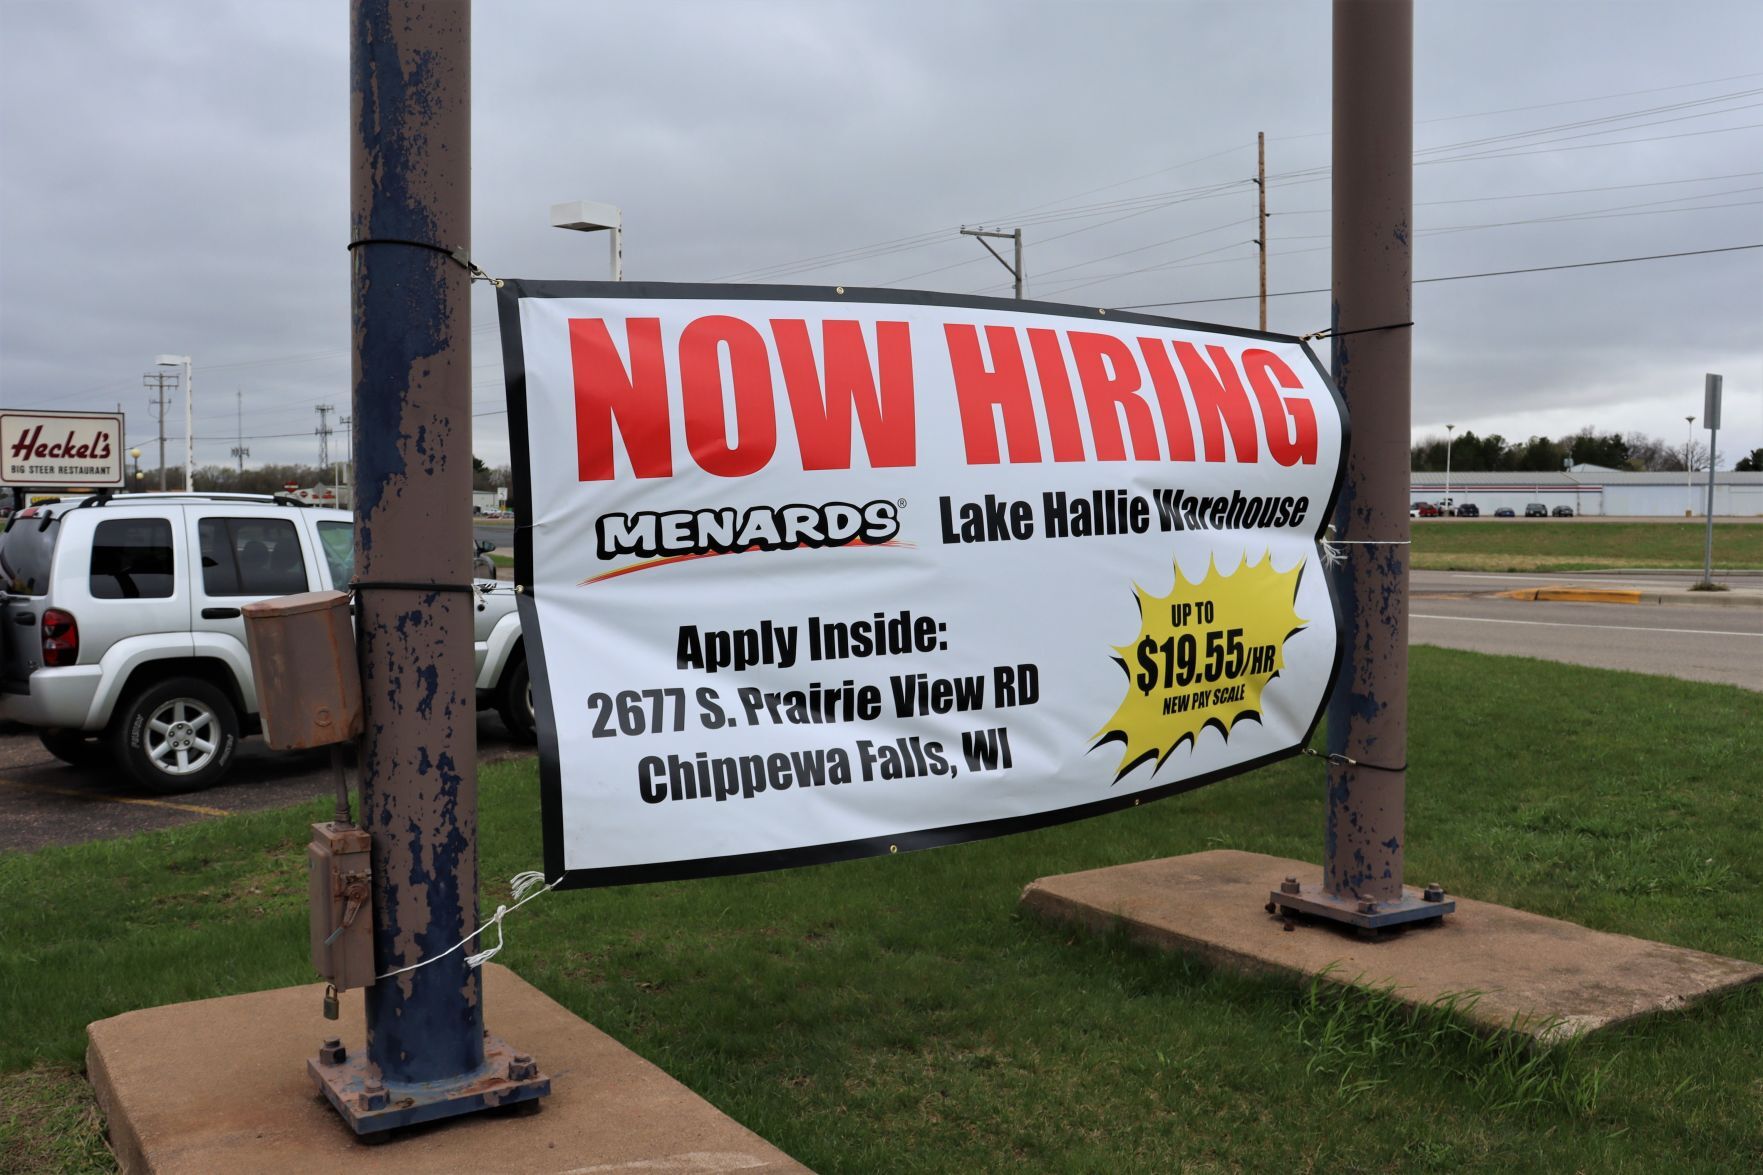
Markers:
<point>277,499</point>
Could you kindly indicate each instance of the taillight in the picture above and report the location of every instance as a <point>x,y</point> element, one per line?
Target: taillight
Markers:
<point>61,638</point>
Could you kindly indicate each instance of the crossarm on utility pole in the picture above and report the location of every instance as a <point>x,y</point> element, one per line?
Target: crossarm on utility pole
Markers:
<point>1015,270</point>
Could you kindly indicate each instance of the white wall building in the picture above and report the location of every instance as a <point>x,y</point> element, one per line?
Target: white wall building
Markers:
<point>1593,489</point>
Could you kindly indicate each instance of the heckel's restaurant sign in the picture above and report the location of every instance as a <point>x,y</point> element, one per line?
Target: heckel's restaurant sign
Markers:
<point>811,574</point>
<point>62,449</point>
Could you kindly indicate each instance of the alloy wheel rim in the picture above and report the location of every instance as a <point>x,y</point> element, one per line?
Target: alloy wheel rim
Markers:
<point>182,736</point>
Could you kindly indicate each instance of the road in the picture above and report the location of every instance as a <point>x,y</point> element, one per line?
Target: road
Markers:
<point>43,801</point>
<point>1700,642</point>
<point>497,530</point>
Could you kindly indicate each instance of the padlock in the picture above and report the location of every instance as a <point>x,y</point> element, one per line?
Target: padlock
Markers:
<point>331,1009</point>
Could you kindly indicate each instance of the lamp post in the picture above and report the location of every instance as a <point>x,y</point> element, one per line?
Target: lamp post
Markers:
<point>587,217</point>
<point>189,416</point>
<point>1689,492</point>
<point>136,480</point>
<point>1450,435</point>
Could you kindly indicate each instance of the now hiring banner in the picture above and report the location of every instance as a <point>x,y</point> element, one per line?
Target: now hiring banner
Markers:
<point>814,573</point>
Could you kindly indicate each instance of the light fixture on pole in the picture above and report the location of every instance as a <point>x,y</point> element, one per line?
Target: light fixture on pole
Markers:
<point>587,217</point>
<point>189,415</point>
<point>1450,435</point>
<point>1689,491</point>
<point>136,480</point>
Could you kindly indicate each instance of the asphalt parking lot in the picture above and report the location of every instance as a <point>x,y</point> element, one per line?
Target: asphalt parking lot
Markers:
<point>44,801</point>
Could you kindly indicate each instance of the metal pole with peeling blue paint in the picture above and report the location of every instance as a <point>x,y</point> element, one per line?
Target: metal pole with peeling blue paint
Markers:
<point>1372,352</point>
<point>428,1055</point>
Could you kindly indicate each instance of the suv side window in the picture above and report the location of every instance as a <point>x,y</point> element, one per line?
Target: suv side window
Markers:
<point>132,559</point>
<point>251,557</point>
<point>338,541</point>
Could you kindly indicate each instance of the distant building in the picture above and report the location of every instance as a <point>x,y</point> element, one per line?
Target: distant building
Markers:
<point>1593,489</point>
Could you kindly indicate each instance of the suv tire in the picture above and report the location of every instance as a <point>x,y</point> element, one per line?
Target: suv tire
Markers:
<point>176,736</point>
<point>73,747</point>
<point>514,701</point>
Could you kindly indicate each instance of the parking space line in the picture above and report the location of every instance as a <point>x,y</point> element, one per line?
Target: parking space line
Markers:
<point>77,794</point>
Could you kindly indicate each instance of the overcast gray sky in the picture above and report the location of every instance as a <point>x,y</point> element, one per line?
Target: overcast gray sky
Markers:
<point>174,178</point>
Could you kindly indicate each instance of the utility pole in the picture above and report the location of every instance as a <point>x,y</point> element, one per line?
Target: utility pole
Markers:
<point>1014,235</point>
<point>239,450</point>
<point>342,461</point>
<point>1373,203</point>
<point>1261,229</point>
<point>324,434</point>
<point>157,382</point>
<point>428,1055</point>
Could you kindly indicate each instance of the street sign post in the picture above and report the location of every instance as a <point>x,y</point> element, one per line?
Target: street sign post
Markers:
<point>1711,389</point>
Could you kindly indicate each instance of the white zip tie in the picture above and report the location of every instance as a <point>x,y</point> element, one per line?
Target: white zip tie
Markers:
<point>524,887</point>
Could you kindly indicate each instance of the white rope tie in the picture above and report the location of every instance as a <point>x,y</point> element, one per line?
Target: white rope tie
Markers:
<point>1333,556</point>
<point>523,887</point>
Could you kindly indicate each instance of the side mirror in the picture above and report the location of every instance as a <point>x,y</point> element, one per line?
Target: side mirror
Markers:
<point>485,546</point>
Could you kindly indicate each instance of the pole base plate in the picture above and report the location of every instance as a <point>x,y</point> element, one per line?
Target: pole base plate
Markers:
<point>1413,906</point>
<point>370,1107</point>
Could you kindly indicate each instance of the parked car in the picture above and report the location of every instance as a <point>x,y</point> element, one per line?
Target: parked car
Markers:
<point>1469,510</point>
<point>1562,512</point>
<point>1505,512</point>
<point>121,630</point>
<point>1426,510</point>
<point>1536,510</point>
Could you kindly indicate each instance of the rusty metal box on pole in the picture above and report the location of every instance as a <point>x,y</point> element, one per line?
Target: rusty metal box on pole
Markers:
<point>303,661</point>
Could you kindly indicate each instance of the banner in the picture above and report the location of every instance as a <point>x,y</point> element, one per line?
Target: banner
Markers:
<point>814,573</point>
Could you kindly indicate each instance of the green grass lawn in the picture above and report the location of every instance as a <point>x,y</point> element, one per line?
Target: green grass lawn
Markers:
<point>899,1014</point>
<point>1461,544</point>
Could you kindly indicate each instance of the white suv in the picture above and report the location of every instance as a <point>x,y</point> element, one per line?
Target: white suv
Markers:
<point>121,627</point>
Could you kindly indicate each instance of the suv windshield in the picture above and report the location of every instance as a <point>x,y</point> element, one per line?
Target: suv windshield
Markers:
<point>26,550</point>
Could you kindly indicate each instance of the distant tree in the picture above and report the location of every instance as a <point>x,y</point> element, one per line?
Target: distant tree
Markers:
<point>1540,455</point>
<point>1751,462</point>
<point>1590,447</point>
<point>482,476</point>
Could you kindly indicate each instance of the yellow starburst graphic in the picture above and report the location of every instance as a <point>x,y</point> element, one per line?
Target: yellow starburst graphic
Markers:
<point>1203,656</point>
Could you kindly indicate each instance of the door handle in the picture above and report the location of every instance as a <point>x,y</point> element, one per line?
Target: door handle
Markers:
<point>24,618</point>
<point>220,613</point>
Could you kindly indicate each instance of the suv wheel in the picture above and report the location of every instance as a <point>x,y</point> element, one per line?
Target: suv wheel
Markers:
<point>73,747</point>
<point>176,736</point>
<point>515,702</point>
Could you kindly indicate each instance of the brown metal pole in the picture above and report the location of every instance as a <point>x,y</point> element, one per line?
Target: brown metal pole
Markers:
<point>411,182</point>
<point>1373,202</point>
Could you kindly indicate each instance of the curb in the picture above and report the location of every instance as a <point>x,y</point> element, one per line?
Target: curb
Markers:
<point>1576,595</point>
<point>1633,596</point>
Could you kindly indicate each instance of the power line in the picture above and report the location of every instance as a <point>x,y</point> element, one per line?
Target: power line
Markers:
<point>1455,277</point>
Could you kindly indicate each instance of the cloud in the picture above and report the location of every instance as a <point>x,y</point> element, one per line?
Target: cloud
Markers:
<point>177,180</point>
